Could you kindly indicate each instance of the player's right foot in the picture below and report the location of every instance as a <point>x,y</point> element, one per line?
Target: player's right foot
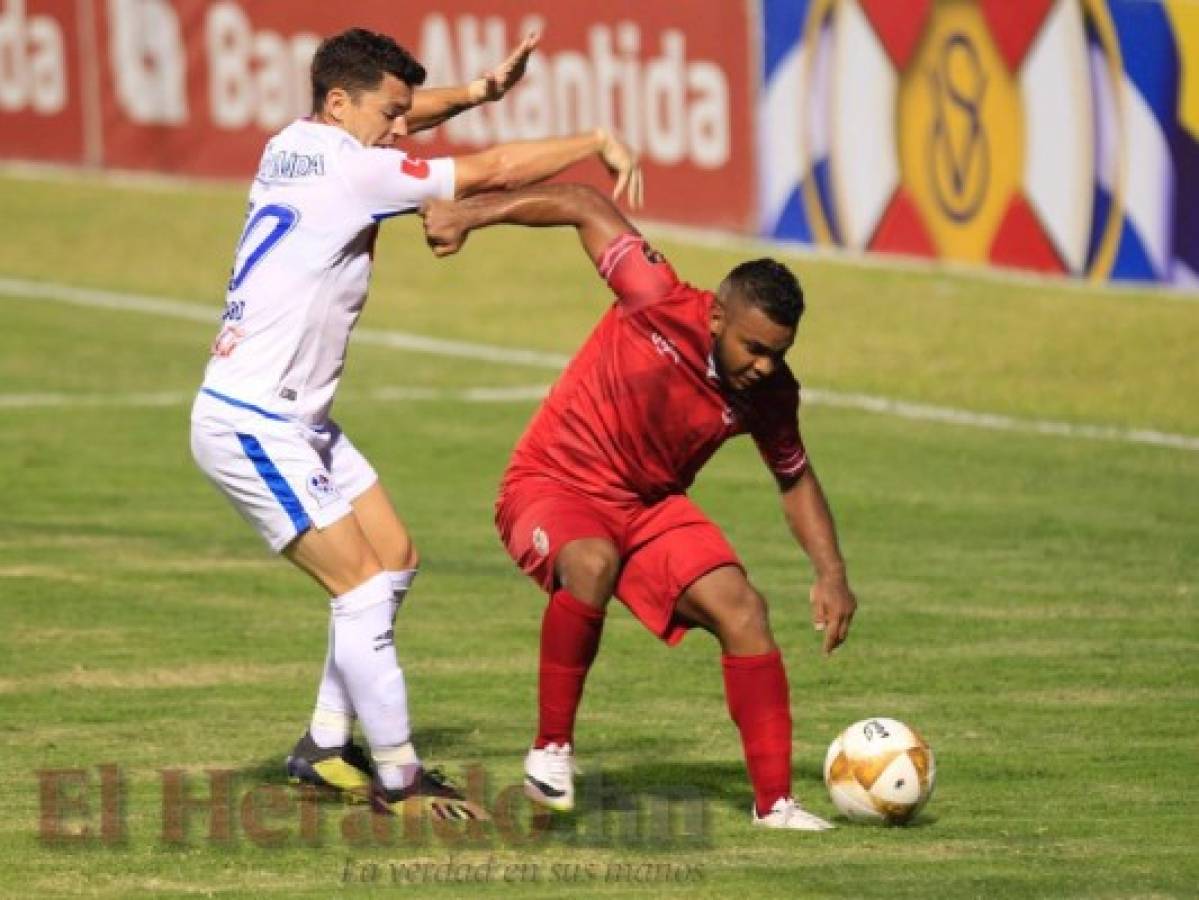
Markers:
<point>549,777</point>
<point>342,770</point>
<point>434,792</point>
<point>786,813</point>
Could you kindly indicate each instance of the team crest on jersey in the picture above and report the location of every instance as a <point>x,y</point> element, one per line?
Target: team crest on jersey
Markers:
<point>226,342</point>
<point>541,541</point>
<point>414,167</point>
<point>322,488</point>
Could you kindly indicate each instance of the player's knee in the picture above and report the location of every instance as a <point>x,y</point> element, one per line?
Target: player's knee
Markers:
<point>588,569</point>
<point>397,554</point>
<point>409,556</point>
<point>360,564</point>
<point>594,567</point>
<point>744,614</point>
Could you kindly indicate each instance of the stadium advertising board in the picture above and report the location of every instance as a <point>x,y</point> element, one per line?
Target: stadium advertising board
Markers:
<point>41,105</point>
<point>1053,135</point>
<point>195,86</point>
<point>1059,136</point>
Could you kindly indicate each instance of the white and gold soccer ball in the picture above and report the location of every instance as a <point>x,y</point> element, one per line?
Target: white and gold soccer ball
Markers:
<point>879,770</point>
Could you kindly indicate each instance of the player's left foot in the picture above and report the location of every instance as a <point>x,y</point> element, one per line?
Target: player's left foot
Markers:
<point>788,814</point>
<point>549,777</point>
<point>434,792</point>
<point>343,770</point>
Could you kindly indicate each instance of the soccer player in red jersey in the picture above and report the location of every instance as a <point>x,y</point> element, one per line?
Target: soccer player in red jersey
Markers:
<point>593,503</point>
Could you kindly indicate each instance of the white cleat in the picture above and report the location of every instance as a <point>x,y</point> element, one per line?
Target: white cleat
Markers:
<point>786,813</point>
<point>549,777</point>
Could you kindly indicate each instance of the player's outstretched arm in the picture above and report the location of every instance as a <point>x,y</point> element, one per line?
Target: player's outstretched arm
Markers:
<point>599,222</point>
<point>432,106</point>
<point>811,521</point>
<point>521,163</point>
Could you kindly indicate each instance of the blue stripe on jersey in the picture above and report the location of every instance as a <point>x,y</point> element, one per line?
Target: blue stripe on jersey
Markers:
<point>242,404</point>
<point>276,482</point>
<point>379,217</point>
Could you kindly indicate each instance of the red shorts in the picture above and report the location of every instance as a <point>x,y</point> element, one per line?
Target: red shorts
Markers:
<point>664,548</point>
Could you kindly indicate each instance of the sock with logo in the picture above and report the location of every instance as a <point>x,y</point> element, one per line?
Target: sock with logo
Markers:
<point>333,718</point>
<point>401,582</point>
<point>759,702</point>
<point>364,654</point>
<point>570,637</point>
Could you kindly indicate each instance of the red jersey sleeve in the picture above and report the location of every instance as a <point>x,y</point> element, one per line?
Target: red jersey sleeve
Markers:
<point>774,425</point>
<point>637,273</point>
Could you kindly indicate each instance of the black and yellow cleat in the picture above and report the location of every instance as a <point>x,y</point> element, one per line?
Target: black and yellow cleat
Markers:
<point>433,791</point>
<point>343,771</point>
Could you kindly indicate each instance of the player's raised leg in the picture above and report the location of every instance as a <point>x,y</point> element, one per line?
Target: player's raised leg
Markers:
<point>585,572</point>
<point>755,681</point>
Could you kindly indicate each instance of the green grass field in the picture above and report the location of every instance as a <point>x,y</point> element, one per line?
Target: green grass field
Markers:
<point>1029,602</point>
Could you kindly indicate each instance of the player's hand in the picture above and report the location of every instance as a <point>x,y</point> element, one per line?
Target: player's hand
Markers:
<point>445,228</point>
<point>624,165</point>
<point>833,606</point>
<point>496,83</point>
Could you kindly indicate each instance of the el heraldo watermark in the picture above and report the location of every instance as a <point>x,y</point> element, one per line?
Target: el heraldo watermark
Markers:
<point>92,805</point>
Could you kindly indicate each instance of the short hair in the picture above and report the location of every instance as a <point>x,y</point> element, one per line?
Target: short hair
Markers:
<point>356,60</point>
<point>770,286</point>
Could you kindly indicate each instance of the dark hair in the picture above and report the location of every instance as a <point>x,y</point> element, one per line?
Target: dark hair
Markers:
<point>356,61</point>
<point>770,286</point>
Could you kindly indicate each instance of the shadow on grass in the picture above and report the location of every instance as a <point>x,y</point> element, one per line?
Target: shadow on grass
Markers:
<point>922,820</point>
<point>432,743</point>
<point>724,781</point>
<point>711,782</point>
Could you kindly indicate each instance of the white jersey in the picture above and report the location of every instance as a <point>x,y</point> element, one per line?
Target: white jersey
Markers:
<point>302,267</point>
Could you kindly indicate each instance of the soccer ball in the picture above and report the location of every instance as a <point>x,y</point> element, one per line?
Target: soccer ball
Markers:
<point>879,770</point>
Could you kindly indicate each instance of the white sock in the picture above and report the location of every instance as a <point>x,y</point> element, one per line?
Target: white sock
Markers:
<point>333,718</point>
<point>401,582</point>
<point>397,767</point>
<point>364,654</point>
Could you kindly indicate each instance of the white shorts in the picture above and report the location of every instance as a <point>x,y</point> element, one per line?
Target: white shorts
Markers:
<point>283,476</point>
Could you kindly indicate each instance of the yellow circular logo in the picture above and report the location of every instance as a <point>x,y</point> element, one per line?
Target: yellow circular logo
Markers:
<point>961,143</point>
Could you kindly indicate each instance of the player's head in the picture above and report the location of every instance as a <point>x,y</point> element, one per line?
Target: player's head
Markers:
<point>754,318</point>
<point>362,81</point>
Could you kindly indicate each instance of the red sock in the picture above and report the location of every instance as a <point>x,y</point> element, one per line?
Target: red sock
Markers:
<point>760,704</point>
<point>570,636</point>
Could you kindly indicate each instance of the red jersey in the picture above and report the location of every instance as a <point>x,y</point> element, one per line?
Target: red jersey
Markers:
<point>640,408</point>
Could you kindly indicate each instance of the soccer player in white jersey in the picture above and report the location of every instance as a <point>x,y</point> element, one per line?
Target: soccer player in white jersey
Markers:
<point>261,429</point>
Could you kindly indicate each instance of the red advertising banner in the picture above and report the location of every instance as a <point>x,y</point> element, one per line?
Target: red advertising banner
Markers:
<point>196,86</point>
<point>41,92</point>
